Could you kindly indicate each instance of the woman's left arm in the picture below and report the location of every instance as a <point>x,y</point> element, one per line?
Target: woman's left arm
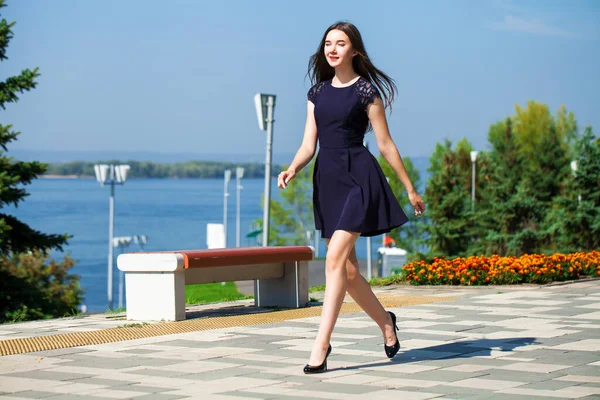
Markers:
<point>389,151</point>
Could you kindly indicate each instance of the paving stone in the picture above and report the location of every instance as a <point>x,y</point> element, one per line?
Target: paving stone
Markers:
<point>157,372</point>
<point>100,381</point>
<point>258,363</point>
<point>548,385</point>
<point>60,352</point>
<point>338,388</point>
<point>162,396</point>
<point>354,359</point>
<point>241,394</point>
<point>188,343</point>
<point>139,388</point>
<point>79,397</point>
<point>517,376</point>
<point>283,378</point>
<point>32,394</point>
<point>220,373</point>
<point>486,383</point>
<point>535,367</point>
<point>586,370</point>
<point>118,363</point>
<point>460,392</point>
<point>138,351</point>
<point>48,375</point>
<point>447,376</point>
<point>285,353</point>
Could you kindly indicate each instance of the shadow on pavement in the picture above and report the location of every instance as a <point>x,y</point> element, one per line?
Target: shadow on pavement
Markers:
<point>461,349</point>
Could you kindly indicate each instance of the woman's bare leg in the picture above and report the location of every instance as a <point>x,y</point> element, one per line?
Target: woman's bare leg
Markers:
<point>339,248</point>
<point>360,290</point>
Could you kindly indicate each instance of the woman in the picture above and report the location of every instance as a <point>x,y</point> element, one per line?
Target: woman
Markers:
<point>351,196</point>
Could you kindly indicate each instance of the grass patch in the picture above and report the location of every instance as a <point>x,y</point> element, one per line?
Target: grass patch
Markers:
<point>134,325</point>
<point>313,289</point>
<point>212,292</point>
<point>390,280</point>
<point>116,310</point>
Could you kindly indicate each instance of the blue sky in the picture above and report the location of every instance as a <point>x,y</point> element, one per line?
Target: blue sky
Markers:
<point>180,76</point>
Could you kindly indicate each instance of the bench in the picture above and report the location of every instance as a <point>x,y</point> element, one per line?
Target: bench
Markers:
<point>155,281</point>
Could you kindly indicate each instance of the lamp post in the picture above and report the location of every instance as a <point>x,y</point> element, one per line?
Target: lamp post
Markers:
<point>473,160</point>
<point>225,196</point>
<point>265,107</point>
<point>239,174</point>
<point>574,169</point>
<point>111,175</point>
<point>369,243</point>
<point>121,242</point>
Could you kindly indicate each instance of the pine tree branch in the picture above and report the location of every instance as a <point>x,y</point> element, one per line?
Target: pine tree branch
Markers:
<point>17,237</point>
<point>12,85</point>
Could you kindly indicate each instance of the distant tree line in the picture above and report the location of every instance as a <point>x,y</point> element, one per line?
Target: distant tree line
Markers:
<point>145,169</point>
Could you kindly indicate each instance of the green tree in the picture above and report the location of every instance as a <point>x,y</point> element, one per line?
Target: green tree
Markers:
<point>574,221</point>
<point>15,236</point>
<point>551,167</point>
<point>409,236</point>
<point>34,287</point>
<point>508,220</point>
<point>447,197</point>
<point>532,123</point>
<point>26,283</point>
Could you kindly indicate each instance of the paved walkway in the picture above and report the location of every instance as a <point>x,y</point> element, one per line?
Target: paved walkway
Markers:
<point>526,342</point>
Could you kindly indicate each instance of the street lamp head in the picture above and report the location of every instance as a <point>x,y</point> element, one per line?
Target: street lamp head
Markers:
<point>102,174</point>
<point>140,239</point>
<point>473,156</point>
<point>121,173</point>
<point>261,102</point>
<point>121,241</point>
<point>239,172</point>
<point>574,166</point>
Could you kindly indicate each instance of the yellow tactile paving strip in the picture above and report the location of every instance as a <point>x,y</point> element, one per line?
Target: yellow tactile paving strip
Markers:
<point>65,340</point>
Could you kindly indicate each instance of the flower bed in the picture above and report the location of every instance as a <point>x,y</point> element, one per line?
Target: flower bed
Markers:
<point>496,270</point>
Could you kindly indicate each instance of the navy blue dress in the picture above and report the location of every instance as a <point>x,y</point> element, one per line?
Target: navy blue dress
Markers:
<point>350,191</point>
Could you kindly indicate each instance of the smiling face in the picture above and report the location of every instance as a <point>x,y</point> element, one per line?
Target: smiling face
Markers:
<point>338,49</point>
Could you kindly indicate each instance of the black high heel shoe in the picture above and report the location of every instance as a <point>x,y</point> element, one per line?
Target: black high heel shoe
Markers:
<point>319,368</point>
<point>391,351</point>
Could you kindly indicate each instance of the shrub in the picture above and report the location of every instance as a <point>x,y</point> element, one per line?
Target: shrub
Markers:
<point>33,287</point>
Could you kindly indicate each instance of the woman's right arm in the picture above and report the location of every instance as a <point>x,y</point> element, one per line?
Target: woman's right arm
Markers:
<point>306,151</point>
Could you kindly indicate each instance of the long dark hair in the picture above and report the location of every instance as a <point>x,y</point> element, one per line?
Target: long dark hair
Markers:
<point>319,69</point>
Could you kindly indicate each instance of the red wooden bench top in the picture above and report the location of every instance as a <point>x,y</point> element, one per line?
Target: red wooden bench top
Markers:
<point>243,256</point>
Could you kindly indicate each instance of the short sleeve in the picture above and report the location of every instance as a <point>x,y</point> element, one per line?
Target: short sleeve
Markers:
<point>367,92</point>
<point>313,93</point>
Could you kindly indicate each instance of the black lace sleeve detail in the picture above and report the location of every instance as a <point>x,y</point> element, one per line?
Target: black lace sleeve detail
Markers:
<point>367,92</point>
<point>314,92</point>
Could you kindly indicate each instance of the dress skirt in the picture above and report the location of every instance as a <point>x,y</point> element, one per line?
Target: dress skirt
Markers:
<point>351,193</point>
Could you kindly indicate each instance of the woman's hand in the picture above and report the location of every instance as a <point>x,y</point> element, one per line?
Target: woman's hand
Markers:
<point>417,202</point>
<point>284,177</point>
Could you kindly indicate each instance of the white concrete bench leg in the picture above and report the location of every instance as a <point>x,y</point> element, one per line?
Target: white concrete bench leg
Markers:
<point>155,286</point>
<point>291,291</point>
